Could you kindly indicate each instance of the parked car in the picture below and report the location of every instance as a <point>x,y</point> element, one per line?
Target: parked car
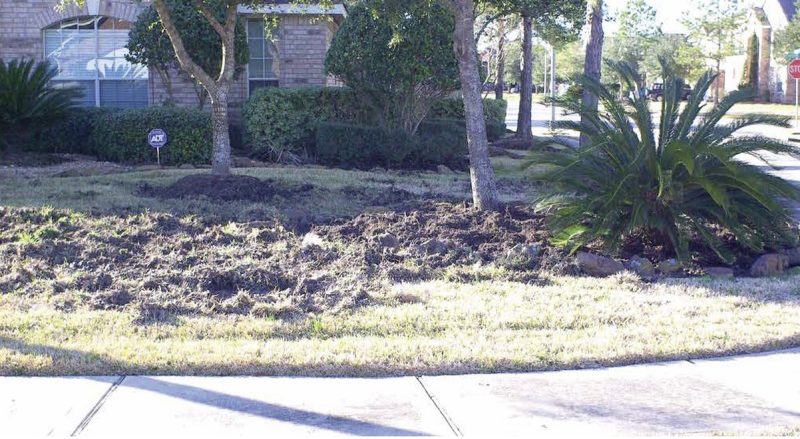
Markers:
<point>657,92</point>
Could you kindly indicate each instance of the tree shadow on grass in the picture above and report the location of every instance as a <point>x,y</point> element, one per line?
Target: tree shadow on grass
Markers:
<point>71,362</point>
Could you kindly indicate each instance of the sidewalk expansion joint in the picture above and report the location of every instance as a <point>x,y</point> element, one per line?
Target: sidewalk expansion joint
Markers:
<point>98,405</point>
<point>450,422</point>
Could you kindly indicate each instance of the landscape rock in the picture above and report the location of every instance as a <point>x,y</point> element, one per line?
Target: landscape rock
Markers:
<point>641,266</point>
<point>442,169</point>
<point>432,247</point>
<point>596,265</point>
<point>521,255</point>
<point>387,240</point>
<point>719,272</point>
<point>246,162</point>
<point>376,209</point>
<point>771,264</point>
<point>669,266</point>
<point>312,240</point>
<point>793,257</point>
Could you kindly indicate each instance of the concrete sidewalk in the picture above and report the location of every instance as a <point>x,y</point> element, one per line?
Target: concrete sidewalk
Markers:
<point>737,394</point>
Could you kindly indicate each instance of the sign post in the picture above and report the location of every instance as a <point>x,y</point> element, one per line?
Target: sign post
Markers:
<point>157,138</point>
<point>794,72</point>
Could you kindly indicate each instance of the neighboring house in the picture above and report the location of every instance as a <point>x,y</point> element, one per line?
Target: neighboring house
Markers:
<point>766,18</point>
<point>88,46</point>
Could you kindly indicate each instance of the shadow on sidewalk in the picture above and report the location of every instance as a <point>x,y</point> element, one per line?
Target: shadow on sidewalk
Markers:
<point>219,400</point>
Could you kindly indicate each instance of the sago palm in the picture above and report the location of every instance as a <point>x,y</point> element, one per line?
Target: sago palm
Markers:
<point>671,181</point>
<point>28,99</point>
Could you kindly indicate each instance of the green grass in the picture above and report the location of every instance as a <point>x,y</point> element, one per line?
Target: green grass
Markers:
<point>472,319</point>
<point>449,328</point>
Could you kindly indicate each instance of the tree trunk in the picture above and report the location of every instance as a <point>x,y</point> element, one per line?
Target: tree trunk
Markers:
<point>221,153</point>
<point>484,187</point>
<point>501,60</point>
<point>526,89</point>
<point>594,55</point>
<point>217,88</point>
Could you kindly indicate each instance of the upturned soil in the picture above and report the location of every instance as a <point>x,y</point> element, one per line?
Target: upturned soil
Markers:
<point>159,265</point>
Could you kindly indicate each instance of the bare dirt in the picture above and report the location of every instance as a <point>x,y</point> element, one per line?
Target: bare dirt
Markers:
<point>158,265</point>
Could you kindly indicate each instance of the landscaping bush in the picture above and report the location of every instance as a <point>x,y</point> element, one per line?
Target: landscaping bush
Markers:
<point>73,134</point>
<point>281,121</point>
<point>494,111</point>
<point>121,136</point>
<point>29,101</point>
<point>364,147</point>
<point>667,183</point>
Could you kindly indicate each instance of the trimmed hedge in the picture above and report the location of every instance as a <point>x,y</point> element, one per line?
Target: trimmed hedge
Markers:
<point>74,134</point>
<point>280,120</point>
<point>121,136</point>
<point>364,147</point>
<point>494,110</point>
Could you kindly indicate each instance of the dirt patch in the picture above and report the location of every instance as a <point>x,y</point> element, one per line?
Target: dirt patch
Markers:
<point>227,188</point>
<point>38,165</point>
<point>158,265</point>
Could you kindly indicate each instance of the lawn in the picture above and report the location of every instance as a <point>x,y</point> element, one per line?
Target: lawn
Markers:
<point>109,275</point>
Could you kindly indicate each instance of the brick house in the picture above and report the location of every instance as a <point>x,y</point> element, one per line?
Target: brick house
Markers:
<point>88,46</point>
<point>765,19</point>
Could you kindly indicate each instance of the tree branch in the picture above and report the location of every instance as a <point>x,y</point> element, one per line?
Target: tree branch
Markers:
<point>185,60</point>
<point>212,20</point>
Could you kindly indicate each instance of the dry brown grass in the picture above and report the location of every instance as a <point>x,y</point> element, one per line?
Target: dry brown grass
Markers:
<point>466,318</point>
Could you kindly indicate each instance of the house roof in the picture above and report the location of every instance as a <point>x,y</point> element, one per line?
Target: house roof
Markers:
<point>292,7</point>
<point>788,8</point>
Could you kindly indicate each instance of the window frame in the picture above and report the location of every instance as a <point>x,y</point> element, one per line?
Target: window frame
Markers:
<point>80,22</point>
<point>273,81</point>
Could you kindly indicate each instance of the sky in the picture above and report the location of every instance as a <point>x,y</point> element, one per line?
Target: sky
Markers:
<point>670,13</point>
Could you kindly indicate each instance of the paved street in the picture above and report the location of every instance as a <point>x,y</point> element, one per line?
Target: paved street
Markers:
<point>754,393</point>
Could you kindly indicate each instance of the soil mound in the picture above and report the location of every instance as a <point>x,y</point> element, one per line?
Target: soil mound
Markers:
<point>159,265</point>
<point>224,188</point>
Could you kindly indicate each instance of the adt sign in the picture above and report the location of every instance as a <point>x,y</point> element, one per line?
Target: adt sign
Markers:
<point>157,138</point>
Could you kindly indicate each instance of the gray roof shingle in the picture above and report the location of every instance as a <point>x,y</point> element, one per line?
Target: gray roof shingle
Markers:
<point>788,8</point>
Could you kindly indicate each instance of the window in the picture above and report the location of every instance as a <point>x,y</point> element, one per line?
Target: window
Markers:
<point>262,70</point>
<point>90,54</point>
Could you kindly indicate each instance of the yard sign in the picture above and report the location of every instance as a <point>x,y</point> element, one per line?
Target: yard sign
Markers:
<point>157,138</point>
<point>794,72</point>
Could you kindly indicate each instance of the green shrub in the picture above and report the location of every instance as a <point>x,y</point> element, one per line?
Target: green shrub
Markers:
<point>121,136</point>
<point>494,111</point>
<point>73,134</point>
<point>281,121</point>
<point>349,145</point>
<point>29,101</point>
<point>669,182</point>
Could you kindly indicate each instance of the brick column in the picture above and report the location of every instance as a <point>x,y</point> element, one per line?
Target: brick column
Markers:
<point>764,55</point>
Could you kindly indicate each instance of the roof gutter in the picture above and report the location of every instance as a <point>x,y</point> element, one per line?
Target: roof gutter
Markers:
<point>338,9</point>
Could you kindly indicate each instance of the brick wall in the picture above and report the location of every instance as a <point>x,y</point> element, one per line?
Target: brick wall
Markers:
<point>302,46</point>
<point>303,41</point>
<point>22,21</point>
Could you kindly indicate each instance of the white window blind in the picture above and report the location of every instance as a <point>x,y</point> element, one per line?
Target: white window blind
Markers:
<point>263,68</point>
<point>90,53</point>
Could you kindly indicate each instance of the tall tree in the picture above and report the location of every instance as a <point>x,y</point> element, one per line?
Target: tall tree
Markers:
<point>594,56</point>
<point>715,26</point>
<point>556,22</point>
<point>149,44</point>
<point>484,186</point>
<point>499,84</point>
<point>639,31</point>
<point>685,59</point>
<point>787,40</point>
<point>750,70</point>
